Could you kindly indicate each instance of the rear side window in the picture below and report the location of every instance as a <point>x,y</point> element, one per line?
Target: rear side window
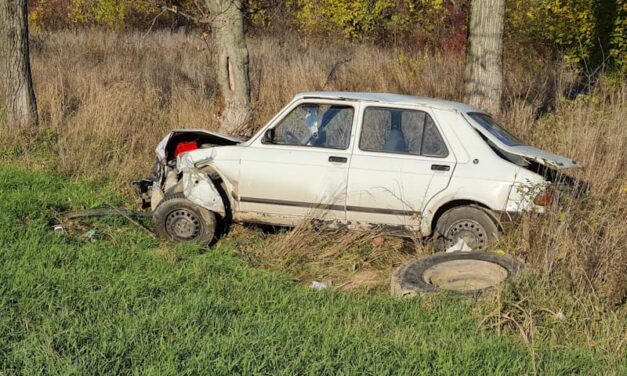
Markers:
<point>487,123</point>
<point>391,130</point>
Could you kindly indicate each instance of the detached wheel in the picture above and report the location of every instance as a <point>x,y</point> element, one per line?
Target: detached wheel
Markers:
<point>469,223</point>
<point>465,273</point>
<point>179,220</point>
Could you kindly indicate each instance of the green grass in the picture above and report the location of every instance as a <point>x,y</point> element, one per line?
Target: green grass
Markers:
<point>74,305</point>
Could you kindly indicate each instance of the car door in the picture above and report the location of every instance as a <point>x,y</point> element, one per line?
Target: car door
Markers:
<point>400,162</point>
<point>302,169</point>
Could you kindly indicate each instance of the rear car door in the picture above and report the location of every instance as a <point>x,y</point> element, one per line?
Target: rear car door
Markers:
<point>303,170</point>
<point>400,162</point>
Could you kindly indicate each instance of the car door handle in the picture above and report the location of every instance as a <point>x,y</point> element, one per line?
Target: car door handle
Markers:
<point>439,167</point>
<point>338,159</point>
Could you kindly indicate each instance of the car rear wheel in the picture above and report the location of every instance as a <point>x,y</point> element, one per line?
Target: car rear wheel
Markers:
<point>178,219</point>
<point>469,223</point>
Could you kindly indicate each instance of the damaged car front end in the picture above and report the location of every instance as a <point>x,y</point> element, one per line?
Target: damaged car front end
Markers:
<point>174,174</point>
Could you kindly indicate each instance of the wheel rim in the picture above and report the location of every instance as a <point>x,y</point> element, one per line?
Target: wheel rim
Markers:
<point>465,275</point>
<point>470,231</point>
<point>183,224</point>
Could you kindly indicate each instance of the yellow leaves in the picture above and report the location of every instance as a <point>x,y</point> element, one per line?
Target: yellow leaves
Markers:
<point>566,24</point>
<point>438,4</point>
<point>34,18</point>
<point>114,14</point>
<point>358,19</point>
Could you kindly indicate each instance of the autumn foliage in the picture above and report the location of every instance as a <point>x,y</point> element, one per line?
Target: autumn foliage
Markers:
<point>587,32</point>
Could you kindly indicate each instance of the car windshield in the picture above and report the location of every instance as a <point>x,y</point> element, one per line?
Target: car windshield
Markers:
<point>487,123</point>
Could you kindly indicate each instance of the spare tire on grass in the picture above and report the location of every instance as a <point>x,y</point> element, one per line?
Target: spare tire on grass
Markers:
<point>466,273</point>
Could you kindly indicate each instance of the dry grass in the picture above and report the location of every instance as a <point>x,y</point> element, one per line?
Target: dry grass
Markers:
<point>348,260</point>
<point>106,99</point>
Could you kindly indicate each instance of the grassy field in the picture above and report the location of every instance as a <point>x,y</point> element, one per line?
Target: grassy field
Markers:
<point>104,107</point>
<point>119,302</point>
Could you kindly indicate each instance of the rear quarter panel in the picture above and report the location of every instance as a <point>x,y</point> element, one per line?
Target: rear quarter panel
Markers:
<point>480,175</point>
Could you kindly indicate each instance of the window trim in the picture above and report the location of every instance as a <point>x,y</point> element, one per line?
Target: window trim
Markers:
<point>361,130</point>
<point>331,103</point>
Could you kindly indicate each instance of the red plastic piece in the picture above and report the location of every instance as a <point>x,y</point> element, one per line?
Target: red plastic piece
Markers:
<point>185,146</point>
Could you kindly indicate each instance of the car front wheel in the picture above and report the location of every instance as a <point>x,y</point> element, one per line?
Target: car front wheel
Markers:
<point>469,223</point>
<point>179,220</point>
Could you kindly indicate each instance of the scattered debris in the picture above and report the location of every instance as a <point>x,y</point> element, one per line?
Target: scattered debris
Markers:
<point>316,285</point>
<point>460,246</point>
<point>91,234</point>
<point>128,214</point>
<point>104,213</point>
<point>59,229</point>
<point>559,315</point>
<point>378,240</point>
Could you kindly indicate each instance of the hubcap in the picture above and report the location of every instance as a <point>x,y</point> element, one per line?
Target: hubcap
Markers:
<point>183,224</point>
<point>470,231</point>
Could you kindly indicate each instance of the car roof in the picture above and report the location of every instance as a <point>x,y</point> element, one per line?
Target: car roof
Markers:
<point>389,98</point>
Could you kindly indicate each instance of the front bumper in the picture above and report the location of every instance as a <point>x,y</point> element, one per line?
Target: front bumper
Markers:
<point>143,188</point>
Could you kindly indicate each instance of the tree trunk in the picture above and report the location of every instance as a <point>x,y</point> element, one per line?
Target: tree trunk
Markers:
<point>483,81</point>
<point>232,62</point>
<point>21,106</point>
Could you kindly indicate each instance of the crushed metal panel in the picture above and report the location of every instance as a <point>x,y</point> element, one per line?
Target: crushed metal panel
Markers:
<point>543,157</point>
<point>212,136</point>
<point>199,188</point>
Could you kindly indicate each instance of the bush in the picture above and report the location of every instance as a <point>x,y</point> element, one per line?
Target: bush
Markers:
<point>587,32</point>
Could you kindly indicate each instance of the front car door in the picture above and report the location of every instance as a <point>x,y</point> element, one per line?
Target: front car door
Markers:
<point>302,169</point>
<point>400,161</point>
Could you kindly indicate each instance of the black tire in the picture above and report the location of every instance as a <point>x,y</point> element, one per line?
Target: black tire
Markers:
<point>412,279</point>
<point>177,219</point>
<point>471,223</point>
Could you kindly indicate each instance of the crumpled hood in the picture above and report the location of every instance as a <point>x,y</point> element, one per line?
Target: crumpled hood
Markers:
<point>203,135</point>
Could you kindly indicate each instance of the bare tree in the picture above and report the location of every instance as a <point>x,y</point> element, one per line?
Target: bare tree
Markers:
<point>483,81</point>
<point>227,25</point>
<point>21,106</point>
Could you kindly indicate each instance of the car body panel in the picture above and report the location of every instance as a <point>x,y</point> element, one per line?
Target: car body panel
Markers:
<point>293,181</point>
<point>311,183</point>
<point>403,182</point>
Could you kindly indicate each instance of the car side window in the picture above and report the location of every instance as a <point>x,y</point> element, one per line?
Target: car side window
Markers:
<point>319,125</point>
<point>392,130</point>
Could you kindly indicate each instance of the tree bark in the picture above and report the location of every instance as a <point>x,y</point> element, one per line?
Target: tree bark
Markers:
<point>21,106</point>
<point>483,81</point>
<point>227,26</point>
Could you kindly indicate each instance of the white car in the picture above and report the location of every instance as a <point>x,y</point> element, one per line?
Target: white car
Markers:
<point>431,167</point>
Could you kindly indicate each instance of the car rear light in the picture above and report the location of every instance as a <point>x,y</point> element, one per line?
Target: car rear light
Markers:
<point>545,198</point>
<point>185,146</point>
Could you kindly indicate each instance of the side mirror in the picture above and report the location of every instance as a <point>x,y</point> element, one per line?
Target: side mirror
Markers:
<point>268,137</point>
